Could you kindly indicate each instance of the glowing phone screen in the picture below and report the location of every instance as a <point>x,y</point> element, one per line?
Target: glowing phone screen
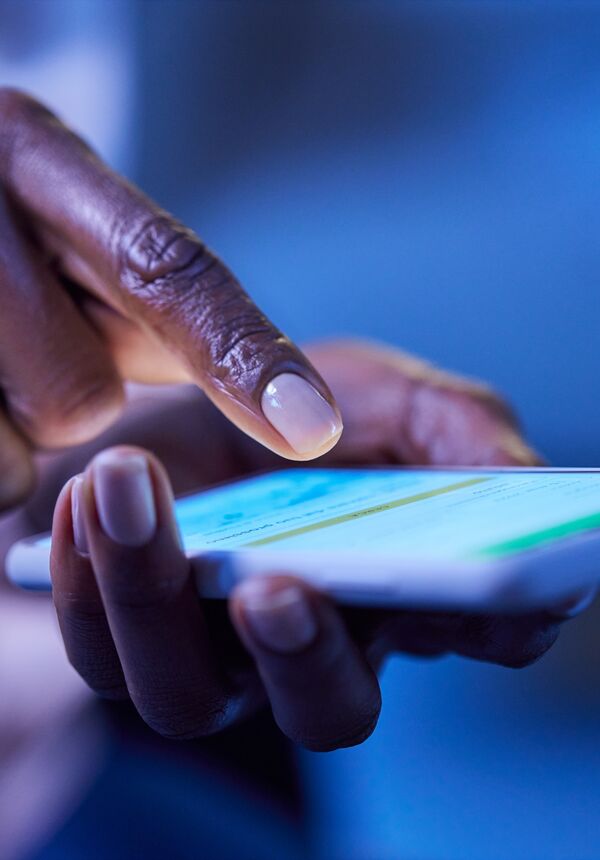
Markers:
<point>423,514</point>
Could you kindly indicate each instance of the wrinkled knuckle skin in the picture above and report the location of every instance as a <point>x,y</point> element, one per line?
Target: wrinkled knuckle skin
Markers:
<point>160,248</point>
<point>243,348</point>
<point>189,291</point>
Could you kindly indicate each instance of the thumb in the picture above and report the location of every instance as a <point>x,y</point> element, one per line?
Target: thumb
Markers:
<point>399,408</point>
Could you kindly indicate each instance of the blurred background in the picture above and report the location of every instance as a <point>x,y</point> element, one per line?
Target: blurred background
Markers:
<point>425,173</point>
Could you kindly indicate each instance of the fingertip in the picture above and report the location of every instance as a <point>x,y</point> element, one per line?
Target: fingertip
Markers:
<point>511,641</point>
<point>323,693</point>
<point>121,456</point>
<point>310,423</point>
<point>134,546</point>
<point>575,605</point>
<point>124,496</point>
<point>81,617</point>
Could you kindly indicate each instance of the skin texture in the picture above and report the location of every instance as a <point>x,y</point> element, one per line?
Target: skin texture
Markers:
<point>134,628</point>
<point>100,286</point>
<point>112,288</point>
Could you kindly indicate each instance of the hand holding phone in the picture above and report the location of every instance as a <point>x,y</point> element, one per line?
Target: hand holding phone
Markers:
<point>397,410</point>
<point>431,539</point>
<point>134,627</point>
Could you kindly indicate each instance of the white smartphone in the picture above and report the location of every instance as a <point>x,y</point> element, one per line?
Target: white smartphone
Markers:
<point>471,539</point>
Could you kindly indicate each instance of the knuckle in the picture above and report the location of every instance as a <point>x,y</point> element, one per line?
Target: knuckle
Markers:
<point>167,267</point>
<point>158,250</point>
<point>240,339</point>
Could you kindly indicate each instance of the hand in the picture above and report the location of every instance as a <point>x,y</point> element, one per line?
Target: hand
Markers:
<point>134,628</point>
<point>98,285</point>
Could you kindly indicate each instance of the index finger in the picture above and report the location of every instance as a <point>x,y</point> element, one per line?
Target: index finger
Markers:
<point>137,258</point>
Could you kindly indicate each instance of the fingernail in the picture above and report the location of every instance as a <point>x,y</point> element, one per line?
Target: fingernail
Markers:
<point>124,497</point>
<point>302,416</point>
<point>79,533</point>
<point>280,619</point>
<point>577,604</point>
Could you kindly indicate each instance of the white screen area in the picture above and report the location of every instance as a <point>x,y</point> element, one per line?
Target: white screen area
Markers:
<point>422,514</point>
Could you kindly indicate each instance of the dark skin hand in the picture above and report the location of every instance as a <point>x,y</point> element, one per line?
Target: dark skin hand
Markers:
<point>134,628</point>
<point>99,285</point>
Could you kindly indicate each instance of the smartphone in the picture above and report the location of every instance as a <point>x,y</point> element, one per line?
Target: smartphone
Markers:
<point>469,539</point>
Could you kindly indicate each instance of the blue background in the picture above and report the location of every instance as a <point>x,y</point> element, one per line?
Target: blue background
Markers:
<point>425,173</point>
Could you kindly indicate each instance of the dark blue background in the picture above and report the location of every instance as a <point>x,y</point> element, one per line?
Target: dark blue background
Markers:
<point>422,172</point>
<point>425,173</point>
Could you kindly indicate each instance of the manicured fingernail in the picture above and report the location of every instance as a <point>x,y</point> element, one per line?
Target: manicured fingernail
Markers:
<point>577,604</point>
<point>124,497</point>
<point>302,416</point>
<point>79,533</point>
<point>280,619</point>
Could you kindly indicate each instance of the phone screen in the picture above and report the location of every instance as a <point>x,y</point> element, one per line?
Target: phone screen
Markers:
<point>420,514</point>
